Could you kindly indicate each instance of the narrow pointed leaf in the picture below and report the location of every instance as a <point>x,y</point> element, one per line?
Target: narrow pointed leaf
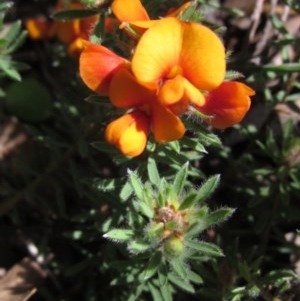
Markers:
<point>166,292</point>
<point>138,246</point>
<point>156,295</point>
<point>213,218</point>
<point>153,265</point>
<point>180,268</point>
<point>205,248</point>
<point>208,187</point>
<point>189,200</point>
<point>180,179</point>
<point>181,284</point>
<point>119,235</point>
<point>136,184</point>
<point>153,172</point>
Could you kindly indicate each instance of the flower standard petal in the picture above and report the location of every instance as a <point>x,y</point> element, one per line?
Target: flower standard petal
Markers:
<point>129,10</point>
<point>171,44</point>
<point>165,125</point>
<point>227,104</point>
<point>97,66</point>
<point>125,92</point>
<point>158,51</point>
<point>202,56</point>
<point>129,133</point>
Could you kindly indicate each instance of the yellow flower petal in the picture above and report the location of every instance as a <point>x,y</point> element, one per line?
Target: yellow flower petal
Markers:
<point>172,43</point>
<point>129,10</point>
<point>193,94</point>
<point>129,133</point>
<point>172,91</point>
<point>202,56</point>
<point>158,51</point>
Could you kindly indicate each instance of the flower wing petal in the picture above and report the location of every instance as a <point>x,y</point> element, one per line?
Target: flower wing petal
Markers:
<point>97,66</point>
<point>227,104</point>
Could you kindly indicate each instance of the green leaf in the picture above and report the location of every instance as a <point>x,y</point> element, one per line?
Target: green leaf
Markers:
<point>145,209</point>
<point>208,187</point>
<point>163,275</point>
<point>180,179</point>
<point>204,247</point>
<point>5,6</point>
<point>166,292</point>
<point>138,246</point>
<point>119,235</point>
<point>213,218</point>
<point>180,268</point>
<point>136,184</point>
<point>153,172</point>
<point>210,138</point>
<point>181,284</point>
<point>126,191</point>
<point>285,68</point>
<point>189,200</point>
<point>67,15</point>
<point>153,265</point>
<point>7,67</point>
<point>14,40</point>
<point>193,277</point>
<point>156,296</point>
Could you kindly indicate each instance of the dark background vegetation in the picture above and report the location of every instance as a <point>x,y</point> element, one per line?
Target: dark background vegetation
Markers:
<point>52,213</point>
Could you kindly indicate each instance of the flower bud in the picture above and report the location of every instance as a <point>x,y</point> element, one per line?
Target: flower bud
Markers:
<point>173,246</point>
<point>155,231</point>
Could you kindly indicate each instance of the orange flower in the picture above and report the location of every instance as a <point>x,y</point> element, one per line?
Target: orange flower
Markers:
<point>125,92</point>
<point>129,133</point>
<point>39,28</point>
<point>177,59</point>
<point>227,104</point>
<point>68,32</point>
<point>71,32</point>
<point>108,74</point>
<point>133,12</point>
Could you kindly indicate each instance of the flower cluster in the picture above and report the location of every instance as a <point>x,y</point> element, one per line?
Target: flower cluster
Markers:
<point>70,32</point>
<point>176,67</point>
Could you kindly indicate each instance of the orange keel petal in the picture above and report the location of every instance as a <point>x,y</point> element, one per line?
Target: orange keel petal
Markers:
<point>165,125</point>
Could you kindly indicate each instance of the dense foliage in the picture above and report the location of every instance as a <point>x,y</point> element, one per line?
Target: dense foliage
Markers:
<point>211,215</point>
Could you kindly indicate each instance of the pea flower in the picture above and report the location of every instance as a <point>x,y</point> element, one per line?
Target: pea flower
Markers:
<point>178,59</point>
<point>176,65</point>
<point>133,13</point>
<point>109,74</point>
